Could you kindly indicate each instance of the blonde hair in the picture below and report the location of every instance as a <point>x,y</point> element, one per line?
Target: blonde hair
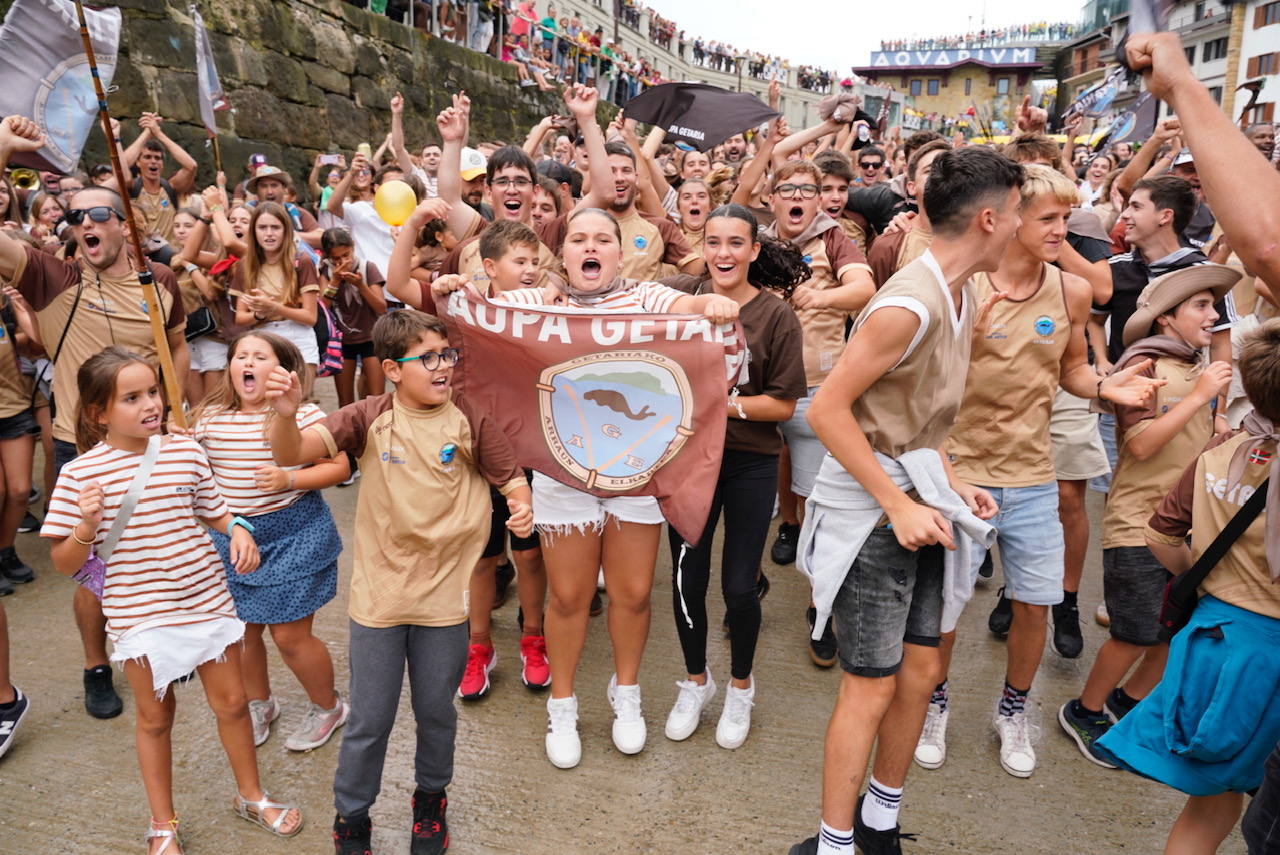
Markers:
<point>1041,181</point>
<point>225,399</point>
<point>255,258</point>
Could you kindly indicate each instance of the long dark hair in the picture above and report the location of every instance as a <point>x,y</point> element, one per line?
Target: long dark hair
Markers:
<point>96,383</point>
<point>780,265</point>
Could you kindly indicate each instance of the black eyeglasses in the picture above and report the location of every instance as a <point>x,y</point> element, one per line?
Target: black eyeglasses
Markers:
<point>804,191</point>
<point>432,360</point>
<point>98,213</point>
<point>871,164</point>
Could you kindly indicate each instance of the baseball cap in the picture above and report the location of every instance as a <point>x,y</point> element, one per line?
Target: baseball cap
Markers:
<point>1184,157</point>
<point>473,164</point>
<point>257,159</point>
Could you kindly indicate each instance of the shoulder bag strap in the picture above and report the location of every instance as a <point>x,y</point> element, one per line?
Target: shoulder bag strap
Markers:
<point>130,501</point>
<point>1191,580</point>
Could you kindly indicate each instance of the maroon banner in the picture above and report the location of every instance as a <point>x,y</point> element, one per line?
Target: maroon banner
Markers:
<point>614,404</point>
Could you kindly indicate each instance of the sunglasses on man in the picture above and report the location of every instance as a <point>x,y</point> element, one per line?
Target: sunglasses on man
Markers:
<point>98,213</point>
<point>871,164</point>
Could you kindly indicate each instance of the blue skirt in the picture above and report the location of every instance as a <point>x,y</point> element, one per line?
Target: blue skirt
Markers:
<point>299,546</point>
<point>1209,725</point>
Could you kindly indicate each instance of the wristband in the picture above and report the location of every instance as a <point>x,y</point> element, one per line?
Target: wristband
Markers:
<point>215,208</point>
<point>77,539</point>
<point>737,405</point>
<point>208,221</point>
<point>242,522</point>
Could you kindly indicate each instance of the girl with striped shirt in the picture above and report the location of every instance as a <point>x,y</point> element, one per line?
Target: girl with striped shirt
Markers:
<point>294,529</point>
<point>164,596</point>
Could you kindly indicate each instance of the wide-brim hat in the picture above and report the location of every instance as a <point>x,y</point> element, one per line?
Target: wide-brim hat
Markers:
<point>269,172</point>
<point>1164,293</point>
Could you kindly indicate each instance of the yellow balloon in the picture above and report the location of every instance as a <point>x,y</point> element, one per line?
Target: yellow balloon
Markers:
<point>394,202</point>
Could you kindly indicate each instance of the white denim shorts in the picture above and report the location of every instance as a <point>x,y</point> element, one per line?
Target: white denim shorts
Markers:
<point>302,336</point>
<point>207,354</point>
<point>557,508</point>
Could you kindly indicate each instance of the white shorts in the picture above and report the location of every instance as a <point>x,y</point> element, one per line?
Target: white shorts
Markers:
<point>558,508</point>
<point>303,338</point>
<point>207,354</point>
<point>807,451</point>
<point>1075,443</point>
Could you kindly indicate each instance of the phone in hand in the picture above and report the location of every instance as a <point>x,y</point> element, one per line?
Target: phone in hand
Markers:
<point>330,159</point>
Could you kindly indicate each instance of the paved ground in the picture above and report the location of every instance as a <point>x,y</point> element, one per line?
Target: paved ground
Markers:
<point>70,784</point>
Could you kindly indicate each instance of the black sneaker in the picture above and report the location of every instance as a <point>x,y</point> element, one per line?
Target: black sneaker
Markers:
<point>430,830</point>
<point>503,577</point>
<point>1118,705</point>
<point>6,587</point>
<point>806,847</point>
<point>597,604</point>
<point>987,568</point>
<point>1001,617</point>
<point>352,838</point>
<point>1067,640</point>
<point>29,523</point>
<point>1085,731</point>
<point>100,697</point>
<point>12,567</point>
<point>784,546</point>
<point>871,842</point>
<point>10,719</point>
<point>823,650</point>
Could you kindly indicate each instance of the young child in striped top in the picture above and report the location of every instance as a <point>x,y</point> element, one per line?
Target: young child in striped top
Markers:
<point>295,532</point>
<point>164,596</point>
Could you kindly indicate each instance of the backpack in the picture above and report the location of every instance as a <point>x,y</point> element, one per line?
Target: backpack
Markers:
<point>329,340</point>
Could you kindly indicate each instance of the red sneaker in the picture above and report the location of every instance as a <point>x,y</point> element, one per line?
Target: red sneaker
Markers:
<point>534,672</point>
<point>475,680</point>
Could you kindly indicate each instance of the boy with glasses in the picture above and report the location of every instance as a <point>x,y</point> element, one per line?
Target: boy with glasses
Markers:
<point>422,521</point>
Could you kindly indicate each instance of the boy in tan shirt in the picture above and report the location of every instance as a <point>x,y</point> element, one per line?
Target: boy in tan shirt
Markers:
<point>422,521</point>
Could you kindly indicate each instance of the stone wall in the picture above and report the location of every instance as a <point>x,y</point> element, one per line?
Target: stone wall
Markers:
<point>303,75</point>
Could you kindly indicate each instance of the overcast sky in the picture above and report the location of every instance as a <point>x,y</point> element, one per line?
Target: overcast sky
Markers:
<point>838,35</point>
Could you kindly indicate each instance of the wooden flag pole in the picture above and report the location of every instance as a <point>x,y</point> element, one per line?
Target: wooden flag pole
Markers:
<point>217,155</point>
<point>151,295</point>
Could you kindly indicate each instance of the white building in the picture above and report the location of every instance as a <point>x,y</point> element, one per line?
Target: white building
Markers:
<point>1260,59</point>
<point>1205,29</point>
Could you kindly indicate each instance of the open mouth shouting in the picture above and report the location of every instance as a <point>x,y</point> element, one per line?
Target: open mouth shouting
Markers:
<point>513,207</point>
<point>591,269</point>
<point>795,215</point>
<point>92,244</point>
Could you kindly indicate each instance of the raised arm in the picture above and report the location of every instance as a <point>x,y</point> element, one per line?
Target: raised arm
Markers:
<point>454,124</point>
<point>398,150</point>
<point>130,155</point>
<point>758,165</point>
<point>537,135</point>
<point>184,179</point>
<point>400,284</point>
<point>1140,164</point>
<point>17,134</point>
<point>797,141</point>
<point>581,101</point>
<point>339,195</point>
<point>1231,169</point>
<point>215,202</point>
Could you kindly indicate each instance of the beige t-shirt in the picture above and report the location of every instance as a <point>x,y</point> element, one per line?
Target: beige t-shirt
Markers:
<point>829,255</point>
<point>111,311</point>
<point>1001,437</point>
<point>155,213</point>
<point>914,404</point>
<point>422,518</point>
<point>1138,485</point>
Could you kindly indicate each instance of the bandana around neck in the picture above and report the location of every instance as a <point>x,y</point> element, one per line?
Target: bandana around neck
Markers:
<point>588,298</point>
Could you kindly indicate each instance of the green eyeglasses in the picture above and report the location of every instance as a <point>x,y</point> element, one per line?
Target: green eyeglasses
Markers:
<point>432,360</point>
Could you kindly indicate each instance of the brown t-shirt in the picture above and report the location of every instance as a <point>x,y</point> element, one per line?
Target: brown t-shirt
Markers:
<point>271,279</point>
<point>775,361</point>
<point>1138,485</point>
<point>894,251</point>
<point>355,317</point>
<point>465,259</point>
<point>856,229</point>
<point>111,311</point>
<point>829,255</point>
<point>15,387</point>
<point>1201,504</point>
<point>647,242</point>
<point>422,518</point>
<point>1001,436</point>
<point>914,404</point>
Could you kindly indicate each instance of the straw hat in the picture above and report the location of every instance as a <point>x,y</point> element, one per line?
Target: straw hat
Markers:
<point>274,172</point>
<point>1164,293</point>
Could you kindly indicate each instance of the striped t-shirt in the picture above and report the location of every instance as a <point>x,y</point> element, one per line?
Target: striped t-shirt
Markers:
<point>236,443</point>
<point>633,296</point>
<point>164,571</point>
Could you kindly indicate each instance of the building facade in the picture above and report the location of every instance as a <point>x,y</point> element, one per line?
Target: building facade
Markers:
<point>1204,26</point>
<point>1259,60</point>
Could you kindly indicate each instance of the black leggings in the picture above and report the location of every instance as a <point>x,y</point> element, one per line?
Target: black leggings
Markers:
<point>745,490</point>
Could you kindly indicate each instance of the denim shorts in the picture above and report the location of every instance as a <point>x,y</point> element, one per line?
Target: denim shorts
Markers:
<point>807,451</point>
<point>206,354</point>
<point>19,425</point>
<point>1029,535</point>
<point>1261,824</point>
<point>890,596</point>
<point>557,508</point>
<point>1133,584</point>
<point>1107,433</point>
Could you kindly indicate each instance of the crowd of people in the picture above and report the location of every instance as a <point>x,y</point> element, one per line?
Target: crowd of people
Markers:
<point>1041,31</point>
<point>933,328</point>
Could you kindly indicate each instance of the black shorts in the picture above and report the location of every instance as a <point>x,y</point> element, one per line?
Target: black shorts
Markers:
<point>498,531</point>
<point>361,350</point>
<point>20,425</point>
<point>1133,584</point>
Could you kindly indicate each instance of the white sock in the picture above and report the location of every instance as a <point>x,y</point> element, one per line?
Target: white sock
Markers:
<point>833,842</point>
<point>880,807</point>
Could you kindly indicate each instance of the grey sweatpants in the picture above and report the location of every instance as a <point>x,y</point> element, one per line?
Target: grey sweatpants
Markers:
<point>436,656</point>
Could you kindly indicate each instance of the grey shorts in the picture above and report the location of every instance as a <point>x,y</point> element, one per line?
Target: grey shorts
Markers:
<point>1133,584</point>
<point>807,451</point>
<point>890,597</point>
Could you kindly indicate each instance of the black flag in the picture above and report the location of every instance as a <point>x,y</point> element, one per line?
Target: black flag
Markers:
<point>698,114</point>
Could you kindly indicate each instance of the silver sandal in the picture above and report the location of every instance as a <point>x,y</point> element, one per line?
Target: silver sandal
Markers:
<point>169,833</point>
<point>255,812</point>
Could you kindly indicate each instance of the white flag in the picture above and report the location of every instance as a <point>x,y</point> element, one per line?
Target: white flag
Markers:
<point>46,74</point>
<point>212,98</point>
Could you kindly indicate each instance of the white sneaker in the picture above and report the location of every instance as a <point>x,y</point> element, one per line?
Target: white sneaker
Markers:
<point>683,720</point>
<point>1016,754</point>
<point>628,722</point>
<point>931,750</point>
<point>318,726</point>
<point>564,748</point>
<point>735,718</point>
<point>262,713</point>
